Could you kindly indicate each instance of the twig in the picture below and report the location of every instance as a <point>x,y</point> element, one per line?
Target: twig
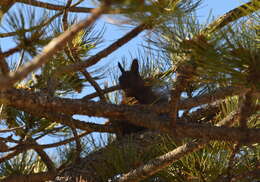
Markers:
<point>45,146</point>
<point>31,28</point>
<point>45,158</point>
<point>231,16</point>
<point>95,85</point>
<point>229,119</point>
<point>71,9</point>
<point>54,6</point>
<point>49,131</point>
<point>65,15</point>
<point>20,61</point>
<point>10,129</point>
<point>10,51</point>
<point>9,139</point>
<point>49,50</point>
<point>10,155</point>
<point>211,97</point>
<point>106,90</point>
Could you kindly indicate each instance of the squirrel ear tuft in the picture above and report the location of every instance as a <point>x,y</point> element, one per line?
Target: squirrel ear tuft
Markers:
<point>121,68</point>
<point>134,66</point>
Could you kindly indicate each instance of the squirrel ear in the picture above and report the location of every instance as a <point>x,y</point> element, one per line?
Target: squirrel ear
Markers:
<point>121,68</point>
<point>134,66</point>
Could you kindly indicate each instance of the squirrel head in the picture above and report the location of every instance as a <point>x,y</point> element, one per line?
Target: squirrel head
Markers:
<point>131,81</point>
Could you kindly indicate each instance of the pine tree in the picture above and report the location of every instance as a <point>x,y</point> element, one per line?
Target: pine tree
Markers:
<point>187,109</point>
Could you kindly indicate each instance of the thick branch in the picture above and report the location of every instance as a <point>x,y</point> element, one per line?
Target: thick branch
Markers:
<point>24,100</point>
<point>252,174</point>
<point>37,177</point>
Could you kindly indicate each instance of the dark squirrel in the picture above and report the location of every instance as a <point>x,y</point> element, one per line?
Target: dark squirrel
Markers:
<point>134,86</point>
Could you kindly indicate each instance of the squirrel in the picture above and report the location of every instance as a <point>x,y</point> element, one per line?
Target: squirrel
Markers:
<point>133,86</point>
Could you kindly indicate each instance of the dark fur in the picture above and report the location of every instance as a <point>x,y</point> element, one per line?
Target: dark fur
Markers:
<point>134,86</point>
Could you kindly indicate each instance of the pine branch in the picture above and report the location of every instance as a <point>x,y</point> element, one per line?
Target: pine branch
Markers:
<point>159,163</point>
<point>31,101</point>
<point>147,139</point>
<point>233,15</point>
<point>50,6</point>
<point>105,52</point>
<point>155,165</point>
<point>5,6</point>
<point>72,55</point>
<point>50,49</point>
<point>88,167</point>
